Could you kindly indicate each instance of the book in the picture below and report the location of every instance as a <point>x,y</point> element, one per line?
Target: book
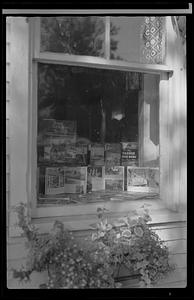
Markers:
<point>97,154</point>
<point>142,179</point>
<point>114,178</point>
<point>71,154</point>
<point>65,180</point>
<point>114,172</point>
<point>56,132</point>
<point>112,154</point>
<point>75,180</point>
<point>129,154</point>
<point>60,127</point>
<point>114,184</point>
<point>81,154</point>
<point>54,181</point>
<point>56,139</point>
<point>95,178</point>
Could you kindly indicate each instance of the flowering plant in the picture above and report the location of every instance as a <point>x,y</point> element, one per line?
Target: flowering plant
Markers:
<point>131,243</point>
<point>128,242</point>
<point>67,264</point>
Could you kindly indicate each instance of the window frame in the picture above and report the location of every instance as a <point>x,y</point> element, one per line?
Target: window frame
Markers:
<point>35,57</point>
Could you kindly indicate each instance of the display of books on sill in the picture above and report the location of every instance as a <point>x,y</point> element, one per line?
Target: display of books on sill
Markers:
<point>59,180</point>
<point>95,178</point>
<point>142,179</point>
<point>129,154</point>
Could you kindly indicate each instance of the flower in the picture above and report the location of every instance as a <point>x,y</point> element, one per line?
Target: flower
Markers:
<point>138,231</point>
<point>126,233</point>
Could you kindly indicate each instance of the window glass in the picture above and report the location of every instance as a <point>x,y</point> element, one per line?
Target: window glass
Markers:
<point>73,35</point>
<point>138,39</point>
<point>88,124</point>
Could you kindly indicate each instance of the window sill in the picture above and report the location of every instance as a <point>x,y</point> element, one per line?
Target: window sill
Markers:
<point>83,217</point>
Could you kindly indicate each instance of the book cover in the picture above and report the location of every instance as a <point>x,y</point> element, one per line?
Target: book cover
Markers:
<point>56,139</point>
<point>81,154</point>
<point>95,178</point>
<point>60,127</point>
<point>113,154</point>
<point>54,181</point>
<point>114,178</point>
<point>71,154</point>
<point>65,180</point>
<point>97,154</point>
<point>114,172</point>
<point>114,184</point>
<point>129,154</point>
<point>75,179</point>
<point>142,179</point>
<point>60,153</point>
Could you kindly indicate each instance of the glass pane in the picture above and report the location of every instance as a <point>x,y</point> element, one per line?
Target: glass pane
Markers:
<point>88,131</point>
<point>138,39</point>
<point>73,35</point>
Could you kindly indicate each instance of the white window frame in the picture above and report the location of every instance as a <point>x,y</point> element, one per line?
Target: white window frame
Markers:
<point>36,57</point>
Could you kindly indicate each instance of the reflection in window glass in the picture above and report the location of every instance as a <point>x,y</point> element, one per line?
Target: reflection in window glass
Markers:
<point>73,35</point>
<point>88,132</point>
<point>125,38</point>
<point>90,97</point>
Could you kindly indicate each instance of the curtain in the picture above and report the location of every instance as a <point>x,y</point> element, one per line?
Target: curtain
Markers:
<point>153,40</point>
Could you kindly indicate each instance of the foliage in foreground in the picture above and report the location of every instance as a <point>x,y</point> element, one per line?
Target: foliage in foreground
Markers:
<point>128,242</point>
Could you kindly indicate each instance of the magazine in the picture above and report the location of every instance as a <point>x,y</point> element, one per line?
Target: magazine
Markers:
<point>114,178</point>
<point>54,181</point>
<point>70,154</point>
<point>114,184</point>
<point>65,180</point>
<point>129,154</point>
<point>60,127</point>
<point>97,154</point>
<point>50,140</point>
<point>113,154</point>
<point>95,178</point>
<point>75,179</point>
<point>81,154</point>
<point>114,172</point>
<point>142,179</point>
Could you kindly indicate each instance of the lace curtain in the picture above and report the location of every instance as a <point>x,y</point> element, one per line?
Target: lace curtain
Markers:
<point>153,40</point>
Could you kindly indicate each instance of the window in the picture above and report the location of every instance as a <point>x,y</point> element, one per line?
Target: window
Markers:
<point>73,35</point>
<point>93,110</point>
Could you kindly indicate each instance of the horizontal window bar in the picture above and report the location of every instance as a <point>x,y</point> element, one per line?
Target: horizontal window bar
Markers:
<point>97,62</point>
